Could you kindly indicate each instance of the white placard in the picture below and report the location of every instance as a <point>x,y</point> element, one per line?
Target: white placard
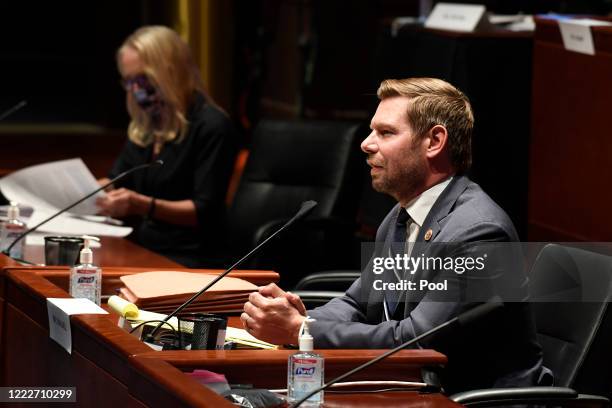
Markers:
<point>455,17</point>
<point>577,36</point>
<point>59,311</point>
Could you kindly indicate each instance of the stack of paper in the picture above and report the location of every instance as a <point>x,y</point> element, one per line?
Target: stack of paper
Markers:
<point>164,291</point>
<point>243,340</point>
<point>132,317</point>
<point>49,187</point>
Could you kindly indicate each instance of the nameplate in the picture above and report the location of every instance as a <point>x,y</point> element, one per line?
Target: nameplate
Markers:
<point>60,310</point>
<point>456,17</point>
<point>577,35</point>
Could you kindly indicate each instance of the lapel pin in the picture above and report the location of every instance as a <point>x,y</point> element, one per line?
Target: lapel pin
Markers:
<point>428,234</point>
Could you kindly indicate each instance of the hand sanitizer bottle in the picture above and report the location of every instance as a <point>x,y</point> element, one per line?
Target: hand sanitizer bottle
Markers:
<point>86,278</point>
<point>305,370</point>
<point>11,230</point>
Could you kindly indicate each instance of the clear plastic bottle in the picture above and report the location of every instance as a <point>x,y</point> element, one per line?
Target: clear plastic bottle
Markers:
<point>305,371</point>
<point>11,229</point>
<point>86,278</point>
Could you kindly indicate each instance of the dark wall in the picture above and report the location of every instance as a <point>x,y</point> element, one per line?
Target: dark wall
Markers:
<point>60,57</point>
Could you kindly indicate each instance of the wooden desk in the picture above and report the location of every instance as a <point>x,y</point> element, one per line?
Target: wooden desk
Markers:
<point>113,252</point>
<point>237,365</point>
<point>110,367</point>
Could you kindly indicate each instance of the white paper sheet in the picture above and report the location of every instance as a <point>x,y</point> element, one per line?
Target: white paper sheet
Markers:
<point>577,35</point>
<point>67,225</point>
<point>38,239</point>
<point>53,185</point>
<point>455,17</point>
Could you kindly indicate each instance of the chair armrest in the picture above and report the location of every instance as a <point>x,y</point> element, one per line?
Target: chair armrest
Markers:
<point>328,280</point>
<point>555,396</point>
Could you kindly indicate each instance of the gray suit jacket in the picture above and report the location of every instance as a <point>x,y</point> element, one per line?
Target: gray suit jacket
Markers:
<point>499,351</point>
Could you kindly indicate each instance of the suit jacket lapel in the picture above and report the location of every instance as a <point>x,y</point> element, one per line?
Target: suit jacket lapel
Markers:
<point>440,210</point>
<point>442,207</point>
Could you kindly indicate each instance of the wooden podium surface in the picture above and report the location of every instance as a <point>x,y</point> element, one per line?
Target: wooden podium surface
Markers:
<point>109,367</point>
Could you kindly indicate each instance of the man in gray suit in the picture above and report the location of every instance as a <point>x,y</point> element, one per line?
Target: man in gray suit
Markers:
<point>418,150</point>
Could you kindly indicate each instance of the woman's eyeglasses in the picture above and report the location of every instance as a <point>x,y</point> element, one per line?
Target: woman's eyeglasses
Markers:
<point>141,81</point>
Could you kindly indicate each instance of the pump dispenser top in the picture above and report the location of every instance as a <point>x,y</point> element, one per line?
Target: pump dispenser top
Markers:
<point>13,211</point>
<point>305,339</point>
<point>86,256</point>
<point>86,278</point>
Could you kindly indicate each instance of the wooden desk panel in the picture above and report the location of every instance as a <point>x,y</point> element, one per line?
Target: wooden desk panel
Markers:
<point>570,147</point>
<point>36,360</point>
<point>100,364</point>
<point>111,276</point>
<point>59,275</point>
<point>271,365</point>
<point>404,399</point>
<point>158,384</point>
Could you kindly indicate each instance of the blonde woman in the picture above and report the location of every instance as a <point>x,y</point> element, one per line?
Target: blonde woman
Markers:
<point>177,209</point>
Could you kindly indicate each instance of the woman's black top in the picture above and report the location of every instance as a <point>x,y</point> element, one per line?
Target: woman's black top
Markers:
<point>198,168</point>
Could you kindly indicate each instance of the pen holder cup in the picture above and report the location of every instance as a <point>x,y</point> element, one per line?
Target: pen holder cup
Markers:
<point>62,250</point>
<point>202,331</point>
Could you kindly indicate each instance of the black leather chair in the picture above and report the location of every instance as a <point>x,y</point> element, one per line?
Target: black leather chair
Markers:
<point>319,288</point>
<point>571,290</point>
<point>291,162</point>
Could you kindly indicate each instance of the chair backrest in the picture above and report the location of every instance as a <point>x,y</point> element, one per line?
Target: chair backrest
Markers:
<point>291,162</point>
<point>571,289</point>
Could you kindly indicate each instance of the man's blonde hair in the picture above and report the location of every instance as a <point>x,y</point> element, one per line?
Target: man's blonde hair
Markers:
<point>170,67</point>
<point>436,102</point>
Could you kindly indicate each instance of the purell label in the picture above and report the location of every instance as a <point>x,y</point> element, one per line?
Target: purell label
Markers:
<point>86,279</point>
<point>16,251</point>
<point>86,276</point>
<point>307,375</point>
<point>306,369</point>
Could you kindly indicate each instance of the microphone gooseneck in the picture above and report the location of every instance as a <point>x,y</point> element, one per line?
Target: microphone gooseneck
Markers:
<point>464,319</point>
<point>305,209</point>
<point>7,251</point>
<point>12,110</point>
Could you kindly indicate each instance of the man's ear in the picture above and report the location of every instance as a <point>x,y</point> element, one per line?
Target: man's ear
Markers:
<point>437,138</point>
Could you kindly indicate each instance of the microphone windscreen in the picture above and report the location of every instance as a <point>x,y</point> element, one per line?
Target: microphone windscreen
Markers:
<point>305,209</point>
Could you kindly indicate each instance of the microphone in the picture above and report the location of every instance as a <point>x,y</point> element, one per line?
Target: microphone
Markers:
<point>464,319</point>
<point>7,251</point>
<point>305,209</point>
<point>12,110</point>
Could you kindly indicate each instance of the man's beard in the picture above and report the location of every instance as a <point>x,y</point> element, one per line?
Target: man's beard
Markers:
<point>404,185</point>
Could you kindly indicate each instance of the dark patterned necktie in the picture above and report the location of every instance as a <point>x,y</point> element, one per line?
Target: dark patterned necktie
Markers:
<point>397,247</point>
